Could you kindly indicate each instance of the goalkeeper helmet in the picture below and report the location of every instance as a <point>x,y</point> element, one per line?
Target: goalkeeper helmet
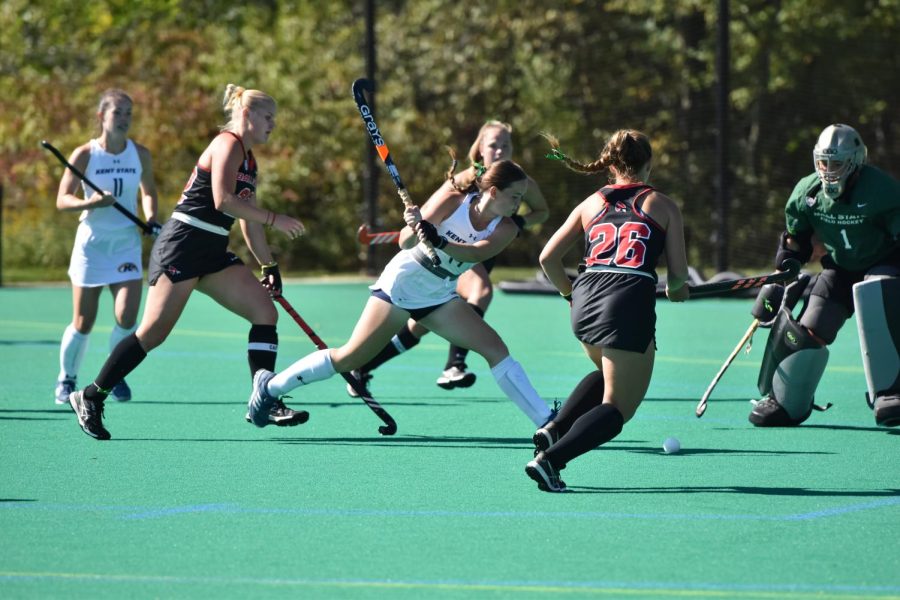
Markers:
<point>839,152</point>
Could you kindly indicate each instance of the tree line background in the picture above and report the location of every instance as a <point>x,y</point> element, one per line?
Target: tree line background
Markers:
<point>578,69</point>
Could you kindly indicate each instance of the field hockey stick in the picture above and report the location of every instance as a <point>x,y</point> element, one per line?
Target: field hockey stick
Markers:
<point>792,268</point>
<point>367,238</point>
<point>390,426</point>
<point>148,229</point>
<point>701,407</point>
<point>359,86</point>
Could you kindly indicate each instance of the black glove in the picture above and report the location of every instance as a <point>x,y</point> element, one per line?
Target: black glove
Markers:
<point>155,228</point>
<point>271,278</point>
<point>768,301</point>
<point>519,220</point>
<point>429,232</point>
<point>802,255</point>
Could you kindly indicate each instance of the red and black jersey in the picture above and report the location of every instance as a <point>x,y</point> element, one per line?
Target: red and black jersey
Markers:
<point>622,238</point>
<point>197,197</point>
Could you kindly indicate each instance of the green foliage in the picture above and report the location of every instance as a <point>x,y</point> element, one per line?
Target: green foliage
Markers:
<point>577,69</point>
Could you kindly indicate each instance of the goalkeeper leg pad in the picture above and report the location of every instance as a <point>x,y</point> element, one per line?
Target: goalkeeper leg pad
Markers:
<point>792,366</point>
<point>878,322</point>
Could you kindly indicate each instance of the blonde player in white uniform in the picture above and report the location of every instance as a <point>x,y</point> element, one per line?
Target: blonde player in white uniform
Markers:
<point>464,230</point>
<point>107,248</point>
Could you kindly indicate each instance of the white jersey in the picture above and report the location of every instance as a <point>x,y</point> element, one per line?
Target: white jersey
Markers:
<point>116,173</point>
<point>412,282</point>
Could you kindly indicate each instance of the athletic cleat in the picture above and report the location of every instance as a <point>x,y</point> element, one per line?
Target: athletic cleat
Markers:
<point>546,476</point>
<point>768,413</point>
<point>90,415</point>
<point>456,377</point>
<point>887,410</point>
<point>364,377</point>
<point>121,392</point>
<point>543,438</point>
<point>63,389</point>
<point>261,402</point>
<point>282,416</point>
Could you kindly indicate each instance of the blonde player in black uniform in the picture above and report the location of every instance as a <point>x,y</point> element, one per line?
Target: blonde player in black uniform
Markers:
<point>626,227</point>
<point>493,143</point>
<point>463,231</point>
<point>107,249</point>
<point>191,253</point>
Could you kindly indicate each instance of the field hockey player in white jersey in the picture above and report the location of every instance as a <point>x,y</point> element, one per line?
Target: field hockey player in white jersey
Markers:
<point>107,249</point>
<point>464,230</point>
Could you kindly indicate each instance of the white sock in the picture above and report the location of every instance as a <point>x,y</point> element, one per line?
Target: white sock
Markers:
<point>514,382</point>
<point>71,352</point>
<point>118,334</point>
<point>312,367</point>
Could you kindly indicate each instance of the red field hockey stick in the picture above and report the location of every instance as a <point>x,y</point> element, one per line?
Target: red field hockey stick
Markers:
<point>367,238</point>
<point>390,426</point>
<point>365,85</point>
<point>148,229</point>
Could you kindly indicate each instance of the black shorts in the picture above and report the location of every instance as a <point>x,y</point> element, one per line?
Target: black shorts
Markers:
<point>614,310</point>
<point>183,252</point>
<point>836,284</point>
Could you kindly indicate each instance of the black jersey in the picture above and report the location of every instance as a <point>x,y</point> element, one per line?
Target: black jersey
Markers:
<point>622,238</point>
<point>197,197</point>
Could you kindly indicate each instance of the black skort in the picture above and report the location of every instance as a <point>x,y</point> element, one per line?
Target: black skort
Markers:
<point>184,252</point>
<point>614,310</point>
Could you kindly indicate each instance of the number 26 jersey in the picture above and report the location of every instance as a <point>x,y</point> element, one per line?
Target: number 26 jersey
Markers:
<point>621,238</point>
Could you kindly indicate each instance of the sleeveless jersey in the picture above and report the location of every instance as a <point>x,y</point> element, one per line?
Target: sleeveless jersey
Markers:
<point>116,173</point>
<point>197,198</point>
<point>458,228</point>
<point>621,238</point>
<point>413,282</point>
<point>859,228</point>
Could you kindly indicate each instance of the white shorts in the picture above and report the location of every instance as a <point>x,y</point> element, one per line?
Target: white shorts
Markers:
<point>105,257</point>
<point>410,285</point>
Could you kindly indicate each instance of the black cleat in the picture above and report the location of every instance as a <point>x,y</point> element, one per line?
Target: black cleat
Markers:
<point>455,377</point>
<point>543,438</point>
<point>364,377</point>
<point>90,415</point>
<point>282,416</point>
<point>545,474</point>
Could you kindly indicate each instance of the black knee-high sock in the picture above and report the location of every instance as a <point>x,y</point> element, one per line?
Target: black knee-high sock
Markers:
<point>262,348</point>
<point>124,359</point>
<point>587,394</point>
<point>594,428</point>
<point>456,357</point>
<point>400,343</point>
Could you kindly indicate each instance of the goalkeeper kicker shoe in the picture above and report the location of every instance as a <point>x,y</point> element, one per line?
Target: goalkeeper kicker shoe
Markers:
<point>63,389</point>
<point>121,392</point>
<point>455,377</point>
<point>90,415</point>
<point>887,410</point>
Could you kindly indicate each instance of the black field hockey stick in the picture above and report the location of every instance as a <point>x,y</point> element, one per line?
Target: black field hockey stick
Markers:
<point>365,85</point>
<point>147,228</point>
<point>390,426</point>
<point>730,286</point>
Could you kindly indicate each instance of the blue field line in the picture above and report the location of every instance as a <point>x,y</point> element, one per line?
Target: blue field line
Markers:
<point>131,513</point>
<point>606,588</point>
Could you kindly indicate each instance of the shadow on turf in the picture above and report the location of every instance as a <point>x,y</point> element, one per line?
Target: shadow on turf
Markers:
<point>63,412</point>
<point>29,342</point>
<point>761,491</point>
